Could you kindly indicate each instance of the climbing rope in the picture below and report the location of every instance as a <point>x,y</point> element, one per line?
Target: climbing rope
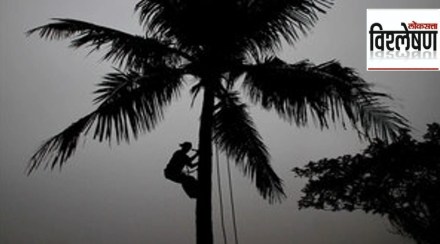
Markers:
<point>231,196</point>
<point>220,196</point>
<point>234,222</point>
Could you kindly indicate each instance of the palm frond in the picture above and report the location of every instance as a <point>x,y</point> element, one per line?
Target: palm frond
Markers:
<point>231,26</point>
<point>235,134</point>
<point>59,148</point>
<point>326,93</point>
<point>122,48</point>
<point>129,104</point>
<point>268,22</point>
<point>172,20</point>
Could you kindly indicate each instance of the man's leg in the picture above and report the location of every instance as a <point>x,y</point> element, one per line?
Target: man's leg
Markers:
<point>173,177</point>
<point>190,186</point>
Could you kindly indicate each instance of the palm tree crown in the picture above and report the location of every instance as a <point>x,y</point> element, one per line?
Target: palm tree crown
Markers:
<point>219,43</point>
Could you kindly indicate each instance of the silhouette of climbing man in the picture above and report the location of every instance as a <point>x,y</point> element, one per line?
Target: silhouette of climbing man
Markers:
<point>175,170</point>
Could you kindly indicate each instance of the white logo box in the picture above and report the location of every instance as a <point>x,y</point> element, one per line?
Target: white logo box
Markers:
<point>419,24</point>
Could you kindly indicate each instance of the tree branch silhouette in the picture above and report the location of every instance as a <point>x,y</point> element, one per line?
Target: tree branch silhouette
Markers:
<point>400,181</point>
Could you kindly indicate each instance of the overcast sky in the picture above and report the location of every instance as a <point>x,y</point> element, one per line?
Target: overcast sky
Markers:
<point>118,194</point>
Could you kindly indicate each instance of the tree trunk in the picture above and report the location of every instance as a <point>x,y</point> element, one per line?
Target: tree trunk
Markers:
<point>204,205</point>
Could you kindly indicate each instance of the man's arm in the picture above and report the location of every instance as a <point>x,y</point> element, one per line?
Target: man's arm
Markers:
<point>193,165</point>
<point>190,164</point>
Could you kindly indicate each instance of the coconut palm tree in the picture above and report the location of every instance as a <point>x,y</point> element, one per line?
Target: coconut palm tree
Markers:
<point>226,48</point>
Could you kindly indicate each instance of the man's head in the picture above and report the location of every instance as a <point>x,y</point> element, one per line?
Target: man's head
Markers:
<point>186,146</point>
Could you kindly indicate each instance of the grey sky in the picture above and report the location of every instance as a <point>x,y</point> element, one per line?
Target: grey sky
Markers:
<point>118,194</point>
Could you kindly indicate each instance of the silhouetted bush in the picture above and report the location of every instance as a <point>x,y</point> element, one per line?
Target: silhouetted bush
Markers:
<point>400,181</point>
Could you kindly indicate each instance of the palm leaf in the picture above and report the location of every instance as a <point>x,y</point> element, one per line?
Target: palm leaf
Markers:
<point>129,104</point>
<point>230,26</point>
<point>235,134</point>
<point>326,93</point>
<point>122,48</point>
<point>268,22</point>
